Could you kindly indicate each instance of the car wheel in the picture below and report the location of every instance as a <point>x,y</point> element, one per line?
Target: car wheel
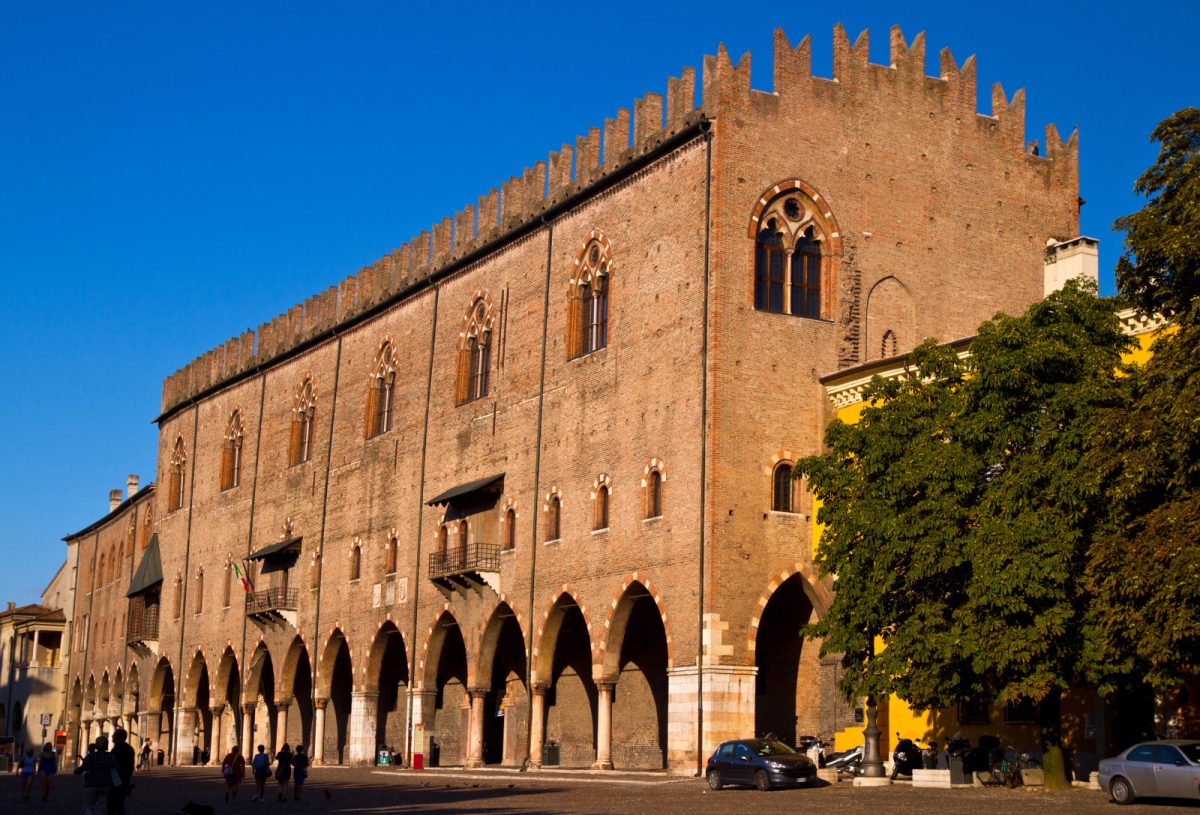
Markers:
<point>714,780</point>
<point>762,780</point>
<point>1121,791</point>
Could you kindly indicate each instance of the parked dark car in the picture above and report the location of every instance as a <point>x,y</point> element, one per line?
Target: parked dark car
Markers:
<point>763,763</point>
<point>1159,769</point>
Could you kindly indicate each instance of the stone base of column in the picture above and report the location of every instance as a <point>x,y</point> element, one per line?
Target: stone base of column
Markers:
<point>363,713</point>
<point>864,781</point>
<point>728,695</point>
<point>602,765</point>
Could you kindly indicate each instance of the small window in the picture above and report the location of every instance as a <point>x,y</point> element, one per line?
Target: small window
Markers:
<point>973,711</point>
<point>198,606</point>
<point>304,415</point>
<point>601,520</point>
<point>463,533</point>
<point>588,317</point>
<point>177,605</point>
<point>355,562</point>
<point>654,495</point>
<point>231,453</point>
<point>381,393</point>
<point>389,556</point>
<point>553,517</point>
<point>888,344</point>
<point>176,485</point>
<point>510,529</point>
<point>100,572</point>
<point>443,539</point>
<point>1143,752</point>
<point>781,488</point>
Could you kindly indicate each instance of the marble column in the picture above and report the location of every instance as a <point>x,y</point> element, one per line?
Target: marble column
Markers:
<point>248,746</point>
<point>537,725</point>
<point>281,714</point>
<point>185,738</point>
<point>475,727</point>
<point>364,712</point>
<point>318,747</point>
<point>422,703</point>
<point>216,750</point>
<point>604,725</point>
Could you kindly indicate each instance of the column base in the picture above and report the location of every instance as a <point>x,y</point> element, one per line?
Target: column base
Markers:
<point>473,763</point>
<point>602,765</point>
<point>535,765</point>
<point>865,781</point>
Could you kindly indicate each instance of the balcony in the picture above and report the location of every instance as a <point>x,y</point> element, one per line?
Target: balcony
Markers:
<point>272,605</point>
<point>141,633</point>
<point>467,566</point>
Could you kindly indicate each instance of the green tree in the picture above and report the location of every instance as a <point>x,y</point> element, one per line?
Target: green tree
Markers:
<point>1160,269</point>
<point>957,518</point>
<point>1144,570</point>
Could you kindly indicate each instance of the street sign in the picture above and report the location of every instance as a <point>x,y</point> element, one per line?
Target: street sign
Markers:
<point>47,719</point>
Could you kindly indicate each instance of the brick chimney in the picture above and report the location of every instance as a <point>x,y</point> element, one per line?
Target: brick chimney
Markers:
<point>114,499</point>
<point>131,485</point>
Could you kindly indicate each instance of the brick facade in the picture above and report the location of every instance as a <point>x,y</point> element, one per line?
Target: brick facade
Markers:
<point>629,645</point>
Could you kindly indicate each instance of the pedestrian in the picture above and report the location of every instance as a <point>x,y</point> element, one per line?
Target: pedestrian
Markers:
<point>261,764</point>
<point>28,768</point>
<point>47,769</point>
<point>144,760</point>
<point>300,771</point>
<point>123,758</point>
<point>99,775</point>
<point>283,770</point>
<point>233,769</point>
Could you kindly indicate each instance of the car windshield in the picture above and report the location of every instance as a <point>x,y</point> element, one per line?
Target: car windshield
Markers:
<point>769,747</point>
<point>1192,751</point>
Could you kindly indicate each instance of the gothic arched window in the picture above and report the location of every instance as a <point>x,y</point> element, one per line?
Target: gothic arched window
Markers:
<point>475,352</point>
<point>795,240</point>
<point>304,414</point>
<point>381,391</point>
<point>175,492</point>
<point>231,453</point>
<point>781,487</point>
<point>588,309</point>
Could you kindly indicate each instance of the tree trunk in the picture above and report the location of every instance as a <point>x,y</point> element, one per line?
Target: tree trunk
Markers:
<point>1054,765</point>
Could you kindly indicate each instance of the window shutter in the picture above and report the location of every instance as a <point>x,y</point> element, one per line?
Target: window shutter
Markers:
<point>574,322</point>
<point>369,428</point>
<point>294,441</point>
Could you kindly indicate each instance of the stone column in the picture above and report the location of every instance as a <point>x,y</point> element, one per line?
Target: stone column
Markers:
<point>537,725</point>
<point>185,736</point>
<point>364,710</point>
<point>216,749</point>
<point>281,711</point>
<point>318,747</point>
<point>604,725</point>
<point>248,746</point>
<point>421,707</point>
<point>475,727</point>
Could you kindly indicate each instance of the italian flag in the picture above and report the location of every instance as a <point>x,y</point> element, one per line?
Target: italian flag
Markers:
<point>246,584</point>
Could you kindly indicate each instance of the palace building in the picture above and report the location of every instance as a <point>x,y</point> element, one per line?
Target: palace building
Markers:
<point>521,489</point>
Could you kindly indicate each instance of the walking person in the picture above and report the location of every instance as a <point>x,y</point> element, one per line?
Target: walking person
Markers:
<point>99,775</point>
<point>233,769</point>
<point>283,770</point>
<point>300,771</point>
<point>261,764</point>
<point>144,759</point>
<point>27,767</point>
<point>47,769</point>
<point>123,758</point>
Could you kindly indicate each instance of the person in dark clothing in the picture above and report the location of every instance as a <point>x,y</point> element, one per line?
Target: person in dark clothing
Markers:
<point>97,769</point>
<point>123,757</point>
<point>283,770</point>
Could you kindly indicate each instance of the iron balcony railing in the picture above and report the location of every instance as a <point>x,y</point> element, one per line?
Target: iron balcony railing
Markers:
<point>474,557</point>
<point>143,624</point>
<point>261,602</point>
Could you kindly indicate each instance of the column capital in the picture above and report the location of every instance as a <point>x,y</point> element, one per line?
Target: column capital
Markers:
<point>320,703</point>
<point>283,704</point>
<point>249,707</point>
<point>478,690</point>
<point>217,710</point>
<point>539,688</point>
<point>606,683</point>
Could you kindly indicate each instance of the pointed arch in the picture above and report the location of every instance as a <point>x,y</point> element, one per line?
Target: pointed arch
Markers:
<point>381,390</point>
<point>304,418</point>
<point>503,611</point>
<point>797,251</point>
<point>588,296</point>
<point>634,586</point>
<point>551,624</point>
<point>817,592</point>
<point>435,640</point>
<point>231,451</point>
<point>335,642</point>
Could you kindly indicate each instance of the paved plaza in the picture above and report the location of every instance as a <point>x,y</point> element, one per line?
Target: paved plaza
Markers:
<point>338,790</point>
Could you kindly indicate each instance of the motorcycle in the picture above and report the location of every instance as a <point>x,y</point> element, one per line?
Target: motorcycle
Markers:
<point>905,757</point>
<point>846,762</point>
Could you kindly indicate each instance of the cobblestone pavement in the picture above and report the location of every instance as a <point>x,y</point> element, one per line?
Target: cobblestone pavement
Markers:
<point>342,790</point>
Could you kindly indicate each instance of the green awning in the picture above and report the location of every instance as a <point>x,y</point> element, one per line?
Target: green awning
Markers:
<point>275,549</point>
<point>149,571</point>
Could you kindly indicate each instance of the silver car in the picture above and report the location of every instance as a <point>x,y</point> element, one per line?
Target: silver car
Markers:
<point>1163,769</point>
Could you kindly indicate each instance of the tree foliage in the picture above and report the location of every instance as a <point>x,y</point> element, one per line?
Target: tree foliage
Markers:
<point>1144,573</point>
<point>1160,269</point>
<point>957,518</point>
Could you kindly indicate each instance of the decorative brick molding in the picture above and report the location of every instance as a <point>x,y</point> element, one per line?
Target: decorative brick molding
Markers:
<point>817,594</point>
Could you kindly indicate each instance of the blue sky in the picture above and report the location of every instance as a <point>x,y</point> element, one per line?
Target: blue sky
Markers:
<point>174,173</point>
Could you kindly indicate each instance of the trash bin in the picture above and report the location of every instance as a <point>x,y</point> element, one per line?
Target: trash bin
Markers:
<point>385,758</point>
<point>550,754</point>
<point>162,757</point>
<point>957,775</point>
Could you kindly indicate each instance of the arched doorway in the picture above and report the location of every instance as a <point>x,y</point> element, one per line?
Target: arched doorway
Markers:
<point>162,708</point>
<point>387,675</point>
<point>258,706</point>
<point>446,720</point>
<point>131,705</point>
<point>787,698</point>
<point>74,719</point>
<point>506,709</point>
<point>337,679</point>
<point>565,665</point>
<point>194,742</point>
<point>635,662</point>
<point>296,686</point>
<point>227,703</point>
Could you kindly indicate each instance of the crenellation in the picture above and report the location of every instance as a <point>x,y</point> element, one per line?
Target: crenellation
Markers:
<point>681,97</point>
<point>792,65</point>
<point>560,170</point>
<point>908,60</point>
<point>441,237</point>
<point>347,298</point>
<point>489,215</point>
<point>850,61</point>
<point>464,228</point>
<point>647,119</point>
<point>587,156</point>
<point>616,138</point>
<point>723,82</point>
<point>960,81</point>
<point>420,259</point>
<point>400,263</point>
<point>1010,115</point>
